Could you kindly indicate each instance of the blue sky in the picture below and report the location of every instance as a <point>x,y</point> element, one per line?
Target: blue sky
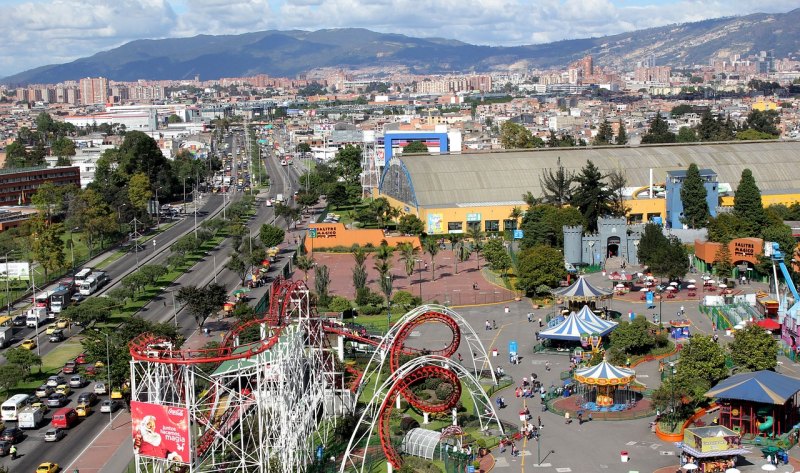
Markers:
<point>40,32</point>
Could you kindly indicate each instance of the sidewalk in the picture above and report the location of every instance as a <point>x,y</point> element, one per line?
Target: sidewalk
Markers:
<point>105,446</point>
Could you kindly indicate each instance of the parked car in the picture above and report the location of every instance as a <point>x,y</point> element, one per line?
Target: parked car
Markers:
<point>87,397</point>
<point>12,435</point>
<point>54,435</point>
<point>70,367</point>
<point>109,405</point>
<point>57,336</point>
<point>5,448</point>
<point>54,381</point>
<point>28,344</point>
<point>44,391</point>
<point>64,389</point>
<point>57,400</point>
<point>100,389</point>
<point>76,381</point>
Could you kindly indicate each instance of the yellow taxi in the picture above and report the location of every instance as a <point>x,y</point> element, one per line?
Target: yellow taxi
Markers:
<point>64,389</point>
<point>51,328</point>
<point>47,468</point>
<point>116,394</point>
<point>62,323</point>
<point>83,410</point>
<point>28,344</point>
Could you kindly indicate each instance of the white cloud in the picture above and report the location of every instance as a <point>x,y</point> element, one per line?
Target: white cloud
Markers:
<point>38,32</point>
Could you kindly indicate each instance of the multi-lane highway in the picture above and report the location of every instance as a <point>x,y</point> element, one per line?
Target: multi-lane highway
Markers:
<point>65,452</point>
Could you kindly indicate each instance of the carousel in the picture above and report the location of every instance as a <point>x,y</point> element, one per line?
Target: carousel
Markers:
<point>581,292</point>
<point>605,387</point>
<point>583,326</point>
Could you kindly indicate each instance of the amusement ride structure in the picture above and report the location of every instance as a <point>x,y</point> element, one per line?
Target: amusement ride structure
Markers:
<point>256,402</point>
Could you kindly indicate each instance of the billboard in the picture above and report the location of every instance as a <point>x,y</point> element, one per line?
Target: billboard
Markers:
<point>15,271</point>
<point>435,223</point>
<point>160,431</point>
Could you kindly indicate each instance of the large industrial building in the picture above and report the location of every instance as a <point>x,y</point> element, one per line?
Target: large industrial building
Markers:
<point>454,192</point>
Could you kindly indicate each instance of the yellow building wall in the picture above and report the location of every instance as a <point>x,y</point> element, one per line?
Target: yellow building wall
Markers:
<point>764,106</point>
<point>645,208</point>
<point>767,200</point>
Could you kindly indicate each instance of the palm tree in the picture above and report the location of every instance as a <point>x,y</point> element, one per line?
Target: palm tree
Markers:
<point>384,252</point>
<point>461,253</point>
<point>382,267</point>
<point>304,264</point>
<point>386,288</point>
<point>432,248</point>
<point>477,236</point>
<point>359,271</point>
<point>408,256</point>
<point>515,215</point>
<point>359,255</point>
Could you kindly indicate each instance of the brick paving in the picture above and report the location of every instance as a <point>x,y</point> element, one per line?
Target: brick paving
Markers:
<point>448,286</point>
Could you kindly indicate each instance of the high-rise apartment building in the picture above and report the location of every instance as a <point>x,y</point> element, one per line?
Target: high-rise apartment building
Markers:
<point>94,91</point>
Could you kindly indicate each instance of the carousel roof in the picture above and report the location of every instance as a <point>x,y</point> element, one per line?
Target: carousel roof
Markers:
<point>581,290</point>
<point>587,315</point>
<point>574,326</point>
<point>605,373</point>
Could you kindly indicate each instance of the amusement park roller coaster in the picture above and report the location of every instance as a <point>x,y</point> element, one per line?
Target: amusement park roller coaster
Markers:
<point>254,403</point>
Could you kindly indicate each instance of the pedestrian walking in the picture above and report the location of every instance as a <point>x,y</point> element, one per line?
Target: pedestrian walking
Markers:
<point>540,322</point>
<point>494,324</point>
<point>540,421</point>
<point>487,325</point>
<point>547,366</point>
<point>460,358</point>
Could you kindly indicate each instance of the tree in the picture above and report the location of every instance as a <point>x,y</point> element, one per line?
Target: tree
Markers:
<point>174,119</point>
<point>622,134</point>
<point>617,182</point>
<point>477,236</point>
<point>431,247</point>
<point>387,285</point>
<point>651,244</point>
<point>408,254</point>
<point>139,192</point>
<point>322,281</point>
<point>16,155</point>
<point>686,135</point>
<point>658,132</point>
<point>753,349</point>
<point>703,358</point>
<point>303,148</point>
<point>591,197</point>
<point>410,224</point>
<point>202,302</point>
<point>747,202</point>
<point>415,147</point>
<point>47,247</point>
<point>722,261</point>
<point>604,134</point>
<point>348,164</point>
<point>92,310</point>
<point>185,244</point>
<point>557,187</point>
<point>693,197</point>
<point>516,136</point>
<point>63,147</point>
<point>23,358</point>
<point>151,272</point>
<point>304,264</point>
<point>238,266</point>
<point>633,338</point>
<point>764,122</point>
<point>91,212</point>
<point>10,375</point>
<point>271,235</point>
<point>537,266</point>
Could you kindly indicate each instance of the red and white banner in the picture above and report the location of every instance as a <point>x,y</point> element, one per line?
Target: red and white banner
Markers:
<point>160,431</point>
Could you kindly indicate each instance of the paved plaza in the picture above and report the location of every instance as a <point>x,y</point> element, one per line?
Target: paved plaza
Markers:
<point>590,446</point>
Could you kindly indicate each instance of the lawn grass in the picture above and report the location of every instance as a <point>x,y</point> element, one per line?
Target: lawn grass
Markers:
<point>51,364</point>
<point>111,258</point>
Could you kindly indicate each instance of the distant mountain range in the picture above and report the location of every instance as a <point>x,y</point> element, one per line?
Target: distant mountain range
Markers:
<point>287,53</point>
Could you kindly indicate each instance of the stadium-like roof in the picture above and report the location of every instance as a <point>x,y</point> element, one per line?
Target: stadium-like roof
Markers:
<point>605,374</point>
<point>492,178</point>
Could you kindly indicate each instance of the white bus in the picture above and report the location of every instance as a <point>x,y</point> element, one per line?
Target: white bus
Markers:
<point>82,275</point>
<point>10,408</point>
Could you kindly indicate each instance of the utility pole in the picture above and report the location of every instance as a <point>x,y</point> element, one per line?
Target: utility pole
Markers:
<point>135,236</point>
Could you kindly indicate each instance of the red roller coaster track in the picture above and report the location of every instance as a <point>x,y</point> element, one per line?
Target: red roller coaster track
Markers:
<point>156,349</point>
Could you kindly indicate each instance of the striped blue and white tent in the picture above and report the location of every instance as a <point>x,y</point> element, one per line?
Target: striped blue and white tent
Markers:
<point>605,374</point>
<point>581,291</point>
<point>573,327</point>
<point>587,315</point>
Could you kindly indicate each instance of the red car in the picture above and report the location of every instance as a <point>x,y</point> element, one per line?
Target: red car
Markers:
<point>70,367</point>
<point>81,359</point>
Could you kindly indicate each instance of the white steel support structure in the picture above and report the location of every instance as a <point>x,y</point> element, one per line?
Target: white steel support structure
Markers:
<point>255,414</point>
<point>355,457</point>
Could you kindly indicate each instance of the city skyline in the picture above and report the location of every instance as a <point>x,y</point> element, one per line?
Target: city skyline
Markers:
<point>49,32</point>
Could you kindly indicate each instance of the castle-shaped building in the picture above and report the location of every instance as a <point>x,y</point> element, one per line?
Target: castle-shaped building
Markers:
<point>614,239</point>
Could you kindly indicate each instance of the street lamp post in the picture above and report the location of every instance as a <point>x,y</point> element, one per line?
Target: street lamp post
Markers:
<point>158,208</point>
<point>419,270</point>
<point>215,267</point>
<point>8,292</point>
<point>108,373</point>
<point>174,309</point>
